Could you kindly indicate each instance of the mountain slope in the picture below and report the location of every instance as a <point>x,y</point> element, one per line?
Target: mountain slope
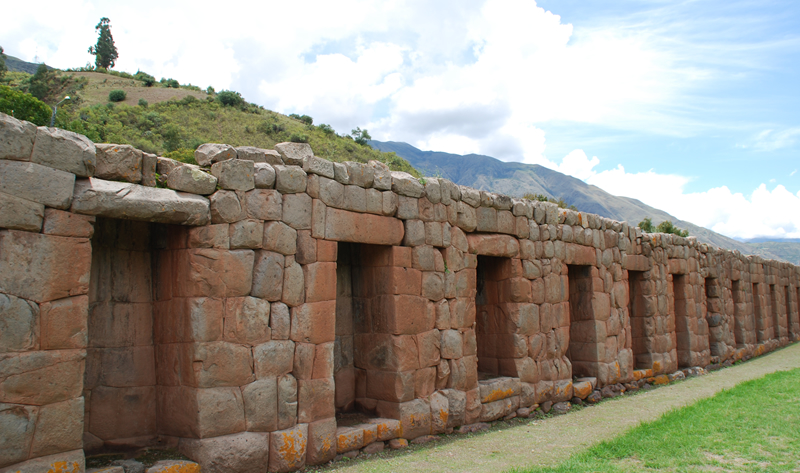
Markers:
<point>517,179</point>
<point>15,64</point>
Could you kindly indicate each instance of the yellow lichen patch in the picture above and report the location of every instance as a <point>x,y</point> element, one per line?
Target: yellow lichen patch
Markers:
<point>582,389</point>
<point>292,448</point>
<point>370,436</point>
<point>642,374</point>
<point>349,440</point>
<point>443,415</point>
<point>64,467</point>
<point>497,395</point>
<point>661,379</point>
<point>386,432</point>
<point>656,367</point>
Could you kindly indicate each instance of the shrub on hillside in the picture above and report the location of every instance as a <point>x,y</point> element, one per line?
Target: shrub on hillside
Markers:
<point>23,106</point>
<point>230,98</point>
<point>143,103</point>
<point>327,129</point>
<point>148,80</point>
<point>170,83</point>
<point>303,118</point>
<point>298,138</point>
<point>117,95</point>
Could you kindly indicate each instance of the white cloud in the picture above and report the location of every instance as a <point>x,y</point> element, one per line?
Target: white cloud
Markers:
<point>770,140</point>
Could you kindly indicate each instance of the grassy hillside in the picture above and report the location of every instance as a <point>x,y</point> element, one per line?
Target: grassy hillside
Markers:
<point>174,121</point>
<point>785,250</point>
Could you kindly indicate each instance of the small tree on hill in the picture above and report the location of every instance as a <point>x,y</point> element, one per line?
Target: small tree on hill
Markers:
<point>360,136</point>
<point>664,227</point>
<point>104,52</point>
<point>3,67</point>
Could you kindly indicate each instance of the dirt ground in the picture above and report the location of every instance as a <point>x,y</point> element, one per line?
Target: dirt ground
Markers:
<point>548,441</point>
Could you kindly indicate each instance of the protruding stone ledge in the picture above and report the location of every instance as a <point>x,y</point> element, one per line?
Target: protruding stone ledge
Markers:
<point>135,202</point>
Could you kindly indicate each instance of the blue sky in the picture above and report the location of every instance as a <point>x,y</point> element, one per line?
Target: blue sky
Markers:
<point>689,106</point>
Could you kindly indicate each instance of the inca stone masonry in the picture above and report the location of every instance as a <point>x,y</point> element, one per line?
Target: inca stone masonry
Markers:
<point>236,309</point>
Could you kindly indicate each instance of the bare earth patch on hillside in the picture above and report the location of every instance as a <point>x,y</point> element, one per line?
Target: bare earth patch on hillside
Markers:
<point>96,91</point>
<point>549,441</point>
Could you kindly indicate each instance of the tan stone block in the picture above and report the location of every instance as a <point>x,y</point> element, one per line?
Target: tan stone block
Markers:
<point>59,428</point>
<point>206,272</point>
<point>315,399</point>
<point>293,284</point>
<point>432,285</point>
<point>280,321</point>
<point>67,224</point>
<point>226,207</point>
<point>20,214</point>
<point>314,322</point>
<point>415,416</point>
<point>341,225</point>
<point>428,345</point>
<point>42,268</point>
<point>320,281</point>
<point>274,358</point>
<point>66,462</point>
<point>349,439</point>
<point>280,238</point>
<point>385,352</point>
<point>323,361</point>
<point>218,364</point>
<point>321,441</point>
<point>424,382</point>
<point>198,319</point>
<point>493,245</point>
<point>127,366</point>
<point>297,211</point>
<point>402,314</point>
<point>268,275</point>
<point>246,234</point>
<point>118,163</point>
<point>16,435</point>
<point>209,236</point>
<point>19,325</point>
<point>44,377</point>
<point>306,248</point>
<point>245,452</point>
<point>247,320</point>
<point>303,360</point>
<point>220,411</point>
<point>287,401</point>
<point>287,450</point>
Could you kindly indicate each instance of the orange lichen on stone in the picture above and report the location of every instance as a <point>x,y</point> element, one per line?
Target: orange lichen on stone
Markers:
<point>64,467</point>
<point>290,451</point>
<point>498,395</point>
<point>642,374</point>
<point>348,439</point>
<point>661,379</point>
<point>582,389</point>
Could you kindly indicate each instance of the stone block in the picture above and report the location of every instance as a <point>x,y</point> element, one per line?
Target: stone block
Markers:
<point>403,314</point>
<point>493,245</point>
<point>210,153</point>
<point>134,202</point>
<point>293,284</point>
<point>382,175</point>
<point>226,207</point>
<point>247,320</point>
<point>340,173</point>
<point>268,275</point>
<point>149,167</point>
<point>280,321</point>
<point>319,166</point>
<point>341,225</point>
<point>405,184</point>
<point>235,174</point>
<point>287,450</point>
<point>320,281</point>
<point>64,150</point>
<point>263,176</point>
<point>314,322</point>
<point>390,386</point>
<point>65,462</point>
<point>42,267</point>
<point>274,358</point>
<point>19,325</point>
<point>261,405</point>
<point>63,323</point>
<point>20,214</point>
<point>16,138</point>
<point>258,155</point>
<point>122,412</point>
<point>315,399</point>
<point>263,204</point>
<point>349,439</point>
<point>191,179</point>
<point>17,428</point>
<point>414,416</point>
<point>61,223</point>
<point>245,452</point>
<point>321,441</point>
<point>36,183</point>
<point>208,272</point>
<point>290,179</point>
<point>361,175</point>
<point>218,364</point>
<point>386,429</point>
<point>384,352</point>
<point>246,234</point>
<point>414,233</point>
<point>59,428</point>
<point>294,153</point>
<point>297,211</point>
<point>424,382</point>
<point>118,163</point>
<point>280,238</point>
<point>209,236</point>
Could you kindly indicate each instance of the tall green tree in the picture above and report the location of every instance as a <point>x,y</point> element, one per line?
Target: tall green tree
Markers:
<point>3,67</point>
<point>104,52</point>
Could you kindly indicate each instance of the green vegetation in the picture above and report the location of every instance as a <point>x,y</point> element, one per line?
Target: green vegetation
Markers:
<point>23,106</point>
<point>543,198</point>
<point>104,52</point>
<point>3,68</point>
<point>360,136</point>
<point>664,227</point>
<point>117,95</point>
<point>751,427</point>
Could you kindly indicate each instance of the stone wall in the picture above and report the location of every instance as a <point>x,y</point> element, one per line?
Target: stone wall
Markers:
<point>247,310</point>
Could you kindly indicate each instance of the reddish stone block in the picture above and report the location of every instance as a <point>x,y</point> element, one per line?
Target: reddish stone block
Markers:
<point>303,360</point>
<point>216,364</point>
<point>390,385</point>
<point>122,412</point>
<point>341,225</point>
<point>63,323</point>
<point>432,285</point>
<point>59,428</point>
<point>349,439</point>
<point>43,268</point>
<point>67,224</point>
<point>394,280</point>
<point>401,314</point>
<point>260,400</point>
<point>424,382</point>
<point>247,320</point>
<point>209,236</point>
<point>306,247</point>
<point>380,351</point>
<point>493,245</point>
<point>274,358</point>
<point>314,322</point>
<point>287,450</point>
<point>293,284</point>
<point>320,281</point>
<point>386,429</point>
<point>321,441</point>
<point>345,380</point>
<point>400,256</point>
<point>414,416</point>
<point>323,361</point>
<point>198,319</point>
<point>327,250</point>
<point>428,346</point>
<point>315,399</point>
<point>213,273</point>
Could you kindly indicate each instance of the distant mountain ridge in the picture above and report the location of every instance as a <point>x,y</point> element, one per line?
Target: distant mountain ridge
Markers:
<point>516,179</point>
<point>15,64</point>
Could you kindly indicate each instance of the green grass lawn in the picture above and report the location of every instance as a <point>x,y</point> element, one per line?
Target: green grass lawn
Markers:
<point>752,427</point>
